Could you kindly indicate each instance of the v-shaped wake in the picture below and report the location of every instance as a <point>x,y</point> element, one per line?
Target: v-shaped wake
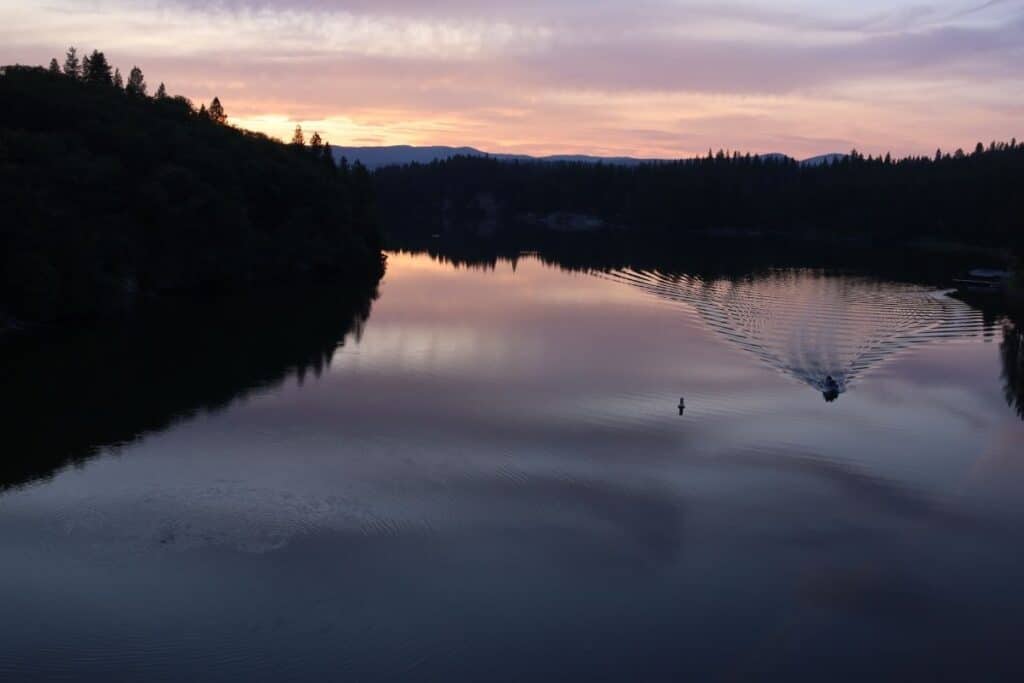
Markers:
<point>825,330</point>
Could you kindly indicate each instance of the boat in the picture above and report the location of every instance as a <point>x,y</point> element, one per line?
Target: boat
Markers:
<point>830,389</point>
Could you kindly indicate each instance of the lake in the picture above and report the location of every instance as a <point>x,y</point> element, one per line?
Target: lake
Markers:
<point>482,472</point>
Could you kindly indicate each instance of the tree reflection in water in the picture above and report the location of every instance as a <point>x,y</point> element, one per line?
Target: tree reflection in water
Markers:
<point>1012,352</point>
<point>67,398</point>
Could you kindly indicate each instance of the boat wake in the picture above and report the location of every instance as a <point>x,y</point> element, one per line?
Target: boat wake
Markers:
<point>827,331</point>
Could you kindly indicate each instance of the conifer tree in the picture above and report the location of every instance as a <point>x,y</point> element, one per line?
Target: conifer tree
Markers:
<point>72,65</point>
<point>118,81</point>
<point>161,92</point>
<point>315,141</point>
<point>298,139</point>
<point>96,69</point>
<point>54,66</point>
<point>136,83</point>
<point>216,111</point>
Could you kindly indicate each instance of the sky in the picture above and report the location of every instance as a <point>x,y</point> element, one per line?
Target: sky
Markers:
<point>648,78</point>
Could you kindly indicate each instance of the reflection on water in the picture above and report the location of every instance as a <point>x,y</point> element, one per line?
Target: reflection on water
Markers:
<point>489,479</point>
<point>107,386</point>
<point>826,330</point>
<point>1012,352</point>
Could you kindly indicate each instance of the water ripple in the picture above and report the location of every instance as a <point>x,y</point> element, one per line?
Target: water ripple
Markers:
<point>814,326</point>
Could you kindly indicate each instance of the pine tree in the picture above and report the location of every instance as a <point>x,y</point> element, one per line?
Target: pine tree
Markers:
<point>161,92</point>
<point>203,114</point>
<point>96,69</point>
<point>298,139</point>
<point>118,81</point>
<point>315,141</point>
<point>216,111</point>
<point>72,66</point>
<point>136,83</point>
<point>54,66</point>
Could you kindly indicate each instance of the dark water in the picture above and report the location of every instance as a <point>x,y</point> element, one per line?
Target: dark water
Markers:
<point>483,475</point>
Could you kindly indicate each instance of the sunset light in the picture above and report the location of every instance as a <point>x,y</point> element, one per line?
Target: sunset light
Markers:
<point>655,78</point>
<point>512,341</point>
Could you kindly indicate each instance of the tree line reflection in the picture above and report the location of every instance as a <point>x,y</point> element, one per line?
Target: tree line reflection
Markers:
<point>68,397</point>
<point>1012,352</point>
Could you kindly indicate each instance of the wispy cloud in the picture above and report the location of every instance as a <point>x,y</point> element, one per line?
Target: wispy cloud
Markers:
<point>641,76</point>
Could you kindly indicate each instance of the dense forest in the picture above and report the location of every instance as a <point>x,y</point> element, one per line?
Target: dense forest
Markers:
<point>973,198</point>
<point>112,195</point>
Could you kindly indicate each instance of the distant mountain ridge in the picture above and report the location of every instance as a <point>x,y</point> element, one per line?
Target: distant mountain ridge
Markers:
<point>396,155</point>
<point>823,159</point>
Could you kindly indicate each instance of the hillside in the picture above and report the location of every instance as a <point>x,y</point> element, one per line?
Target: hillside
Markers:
<point>111,197</point>
<point>963,198</point>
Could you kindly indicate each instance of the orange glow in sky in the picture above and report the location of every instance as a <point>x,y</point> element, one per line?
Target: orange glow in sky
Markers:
<point>651,78</point>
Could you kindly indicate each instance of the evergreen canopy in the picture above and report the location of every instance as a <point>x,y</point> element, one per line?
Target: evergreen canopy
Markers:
<point>108,199</point>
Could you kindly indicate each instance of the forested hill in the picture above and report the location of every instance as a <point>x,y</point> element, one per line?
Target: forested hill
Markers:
<point>973,197</point>
<point>110,195</point>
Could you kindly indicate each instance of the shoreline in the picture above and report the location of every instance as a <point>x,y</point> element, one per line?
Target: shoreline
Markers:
<point>14,330</point>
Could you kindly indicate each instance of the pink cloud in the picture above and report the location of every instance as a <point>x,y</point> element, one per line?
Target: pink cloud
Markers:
<point>648,77</point>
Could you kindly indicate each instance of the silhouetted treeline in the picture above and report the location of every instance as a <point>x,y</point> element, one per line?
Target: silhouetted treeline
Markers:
<point>70,394</point>
<point>710,257</point>
<point>969,198</point>
<point>109,195</point>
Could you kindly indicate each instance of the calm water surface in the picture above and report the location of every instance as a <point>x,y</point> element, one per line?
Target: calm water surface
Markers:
<point>488,478</point>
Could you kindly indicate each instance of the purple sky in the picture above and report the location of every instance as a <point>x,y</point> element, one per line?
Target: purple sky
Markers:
<point>643,77</point>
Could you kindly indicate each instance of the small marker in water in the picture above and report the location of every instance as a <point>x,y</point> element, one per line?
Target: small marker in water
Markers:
<point>682,405</point>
